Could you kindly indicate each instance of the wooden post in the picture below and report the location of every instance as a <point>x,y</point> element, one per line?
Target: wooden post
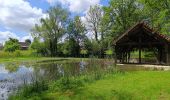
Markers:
<point>140,49</point>
<point>167,54</point>
<point>115,56</point>
<point>129,57</point>
<point>139,55</point>
<point>160,55</point>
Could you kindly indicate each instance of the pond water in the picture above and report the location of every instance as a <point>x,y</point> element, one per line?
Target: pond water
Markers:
<point>14,75</point>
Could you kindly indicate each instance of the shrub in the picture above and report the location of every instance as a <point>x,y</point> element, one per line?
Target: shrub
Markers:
<point>30,90</point>
<point>66,83</point>
<point>17,53</point>
<point>11,45</point>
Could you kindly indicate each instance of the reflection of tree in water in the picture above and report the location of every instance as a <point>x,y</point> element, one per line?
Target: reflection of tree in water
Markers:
<point>12,67</point>
<point>55,71</point>
<point>51,71</point>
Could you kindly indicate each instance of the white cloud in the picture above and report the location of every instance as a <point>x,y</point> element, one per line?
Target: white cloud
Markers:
<point>19,15</point>
<point>5,36</point>
<point>76,6</point>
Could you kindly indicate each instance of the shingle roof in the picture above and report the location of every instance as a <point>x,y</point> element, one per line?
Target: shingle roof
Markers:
<point>148,28</point>
<point>24,44</point>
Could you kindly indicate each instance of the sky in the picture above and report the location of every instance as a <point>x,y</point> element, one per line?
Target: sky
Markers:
<point>18,17</point>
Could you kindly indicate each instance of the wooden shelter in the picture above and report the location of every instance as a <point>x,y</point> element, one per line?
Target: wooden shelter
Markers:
<point>140,38</point>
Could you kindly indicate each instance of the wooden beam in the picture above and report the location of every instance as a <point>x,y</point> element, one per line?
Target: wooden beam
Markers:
<point>128,31</point>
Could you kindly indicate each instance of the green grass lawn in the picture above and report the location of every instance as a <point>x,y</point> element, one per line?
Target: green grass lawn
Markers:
<point>142,85</point>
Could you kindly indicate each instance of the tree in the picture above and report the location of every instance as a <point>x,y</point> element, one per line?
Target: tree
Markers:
<point>76,34</point>
<point>121,15</point>
<point>52,28</point>
<point>35,44</point>
<point>11,45</point>
<point>28,41</point>
<point>71,48</point>
<point>39,47</point>
<point>84,52</point>
<point>157,14</point>
<point>94,17</point>
<point>76,29</point>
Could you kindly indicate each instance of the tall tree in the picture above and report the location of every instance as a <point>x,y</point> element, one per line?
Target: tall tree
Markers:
<point>76,29</point>
<point>28,41</point>
<point>76,33</point>
<point>52,28</point>
<point>120,15</point>
<point>157,14</point>
<point>94,17</point>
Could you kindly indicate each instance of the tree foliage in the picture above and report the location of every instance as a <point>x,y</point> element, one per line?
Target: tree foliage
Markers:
<point>28,41</point>
<point>11,45</point>
<point>39,47</point>
<point>75,37</point>
<point>120,15</point>
<point>106,23</point>
<point>76,29</point>
<point>52,28</point>
<point>157,14</point>
<point>94,17</point>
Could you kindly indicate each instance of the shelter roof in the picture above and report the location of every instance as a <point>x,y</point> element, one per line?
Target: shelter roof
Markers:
<point>145,27</point>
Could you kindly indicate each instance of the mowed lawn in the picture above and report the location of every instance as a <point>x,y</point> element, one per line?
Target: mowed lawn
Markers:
<point>140,85</point>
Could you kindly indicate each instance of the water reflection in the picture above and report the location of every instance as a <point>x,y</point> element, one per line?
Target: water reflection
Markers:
<point>10,80</point>
<point>14,75</point>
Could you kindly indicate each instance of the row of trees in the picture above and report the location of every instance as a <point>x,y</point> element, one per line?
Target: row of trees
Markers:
<point>61,35</point>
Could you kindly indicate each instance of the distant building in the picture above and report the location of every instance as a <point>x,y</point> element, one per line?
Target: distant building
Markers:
<point>24,45</point>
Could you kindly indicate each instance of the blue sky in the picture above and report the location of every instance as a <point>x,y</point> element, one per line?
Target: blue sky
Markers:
<point>19,16</point>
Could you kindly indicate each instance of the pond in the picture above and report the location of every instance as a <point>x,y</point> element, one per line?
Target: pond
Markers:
<point>14,75</point>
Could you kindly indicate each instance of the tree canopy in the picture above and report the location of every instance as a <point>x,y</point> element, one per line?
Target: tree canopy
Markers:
<point>52,28</point>
<point>66,34</point>
<point>11,45</point>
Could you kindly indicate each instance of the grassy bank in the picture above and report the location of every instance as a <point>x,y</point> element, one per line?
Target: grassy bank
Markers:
<point>131,86</point>
<point>40,59</point>
<point>30,55</point>
<point>143,85</point>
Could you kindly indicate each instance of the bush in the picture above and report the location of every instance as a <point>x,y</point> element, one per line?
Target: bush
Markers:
<point>17,53</point>
<point>11,45</point>
<point>65,84</point>
<point>30,90</point>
